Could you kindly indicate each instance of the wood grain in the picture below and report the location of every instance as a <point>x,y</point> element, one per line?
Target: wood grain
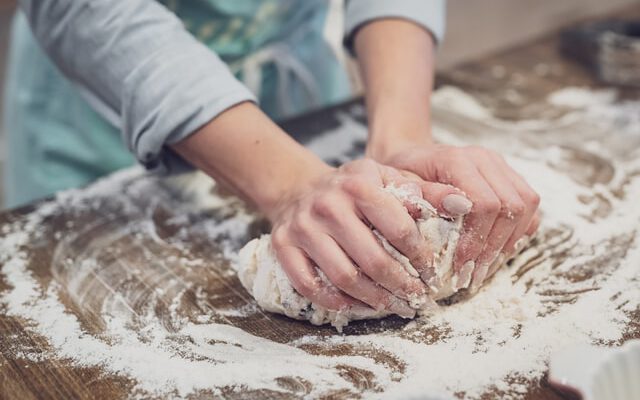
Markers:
<point>493,80</point>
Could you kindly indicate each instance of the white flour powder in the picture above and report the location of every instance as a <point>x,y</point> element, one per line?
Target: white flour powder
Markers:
<point>507,330</point>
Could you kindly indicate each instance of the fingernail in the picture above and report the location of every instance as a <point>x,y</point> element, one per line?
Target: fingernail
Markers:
<point>456,204</point>
<point>464,276</point>
<point>497,263</point>
<point>428,276</point>
<point>413,292</point>
<point>417,301</point>
<point>362,311</point>
<point>428,307</point>
<point>478,277</point>
<point>401,308</point>
<point>521,243</point>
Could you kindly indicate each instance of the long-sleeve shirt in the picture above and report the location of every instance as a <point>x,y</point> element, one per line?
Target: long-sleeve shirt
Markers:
<point>139,67</point>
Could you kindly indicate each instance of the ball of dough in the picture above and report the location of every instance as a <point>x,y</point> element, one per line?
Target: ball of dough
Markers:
<point>262,275</point>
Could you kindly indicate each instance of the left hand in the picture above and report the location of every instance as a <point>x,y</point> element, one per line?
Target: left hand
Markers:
<point>397,64</point>
<point>504,205</point>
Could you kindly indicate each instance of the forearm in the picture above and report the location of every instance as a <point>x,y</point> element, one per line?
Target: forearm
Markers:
<point>397,63</point>
<point>243,149</point>
<point>137,65</point>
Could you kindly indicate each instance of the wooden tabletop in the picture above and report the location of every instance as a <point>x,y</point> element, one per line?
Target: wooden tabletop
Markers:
<point>513,85</point>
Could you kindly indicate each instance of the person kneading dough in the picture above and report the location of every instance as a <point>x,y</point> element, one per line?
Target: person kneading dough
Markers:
<point>196,84</point>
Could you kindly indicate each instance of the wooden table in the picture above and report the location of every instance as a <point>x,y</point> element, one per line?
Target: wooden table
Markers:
<point>531,72</point>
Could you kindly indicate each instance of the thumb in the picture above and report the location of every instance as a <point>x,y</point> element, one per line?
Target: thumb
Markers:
<point>447,199</point>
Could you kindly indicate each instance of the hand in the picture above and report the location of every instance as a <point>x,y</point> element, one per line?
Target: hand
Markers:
<point>321,215</point>
<point>504,205</point>
<point>326,223</point>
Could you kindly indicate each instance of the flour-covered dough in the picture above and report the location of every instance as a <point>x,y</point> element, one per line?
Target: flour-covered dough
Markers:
<point>262,275</point>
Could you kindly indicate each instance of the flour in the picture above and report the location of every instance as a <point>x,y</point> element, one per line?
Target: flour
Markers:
<point>235,358</point>
<point>339,146</point>
<point>602,107</point>
<point>264,278</point>
<point>579,283</point>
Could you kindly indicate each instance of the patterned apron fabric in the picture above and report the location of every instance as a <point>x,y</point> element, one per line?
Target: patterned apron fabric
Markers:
<point>56,141</point>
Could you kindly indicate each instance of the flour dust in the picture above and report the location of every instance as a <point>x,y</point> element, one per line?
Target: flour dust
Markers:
<point>133,254</point>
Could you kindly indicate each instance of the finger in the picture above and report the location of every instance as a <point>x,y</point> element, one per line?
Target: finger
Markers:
<point>392,176</point>
<point>374,260</point>
<point>533,225</point>
<point>340,270</point>
<point>531,201</point>
<point>407,186</point>
<point>505,256</point>
<point>479,221</point>
<point>305,280</point>
<point>511,212</point>
<point>387,214</point>
<point>496,264</point>
<point>448,200</point>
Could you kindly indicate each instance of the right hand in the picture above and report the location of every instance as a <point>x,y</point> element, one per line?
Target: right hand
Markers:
<point>325,223</point>
<point>504,205</point>
<point>321,215</point>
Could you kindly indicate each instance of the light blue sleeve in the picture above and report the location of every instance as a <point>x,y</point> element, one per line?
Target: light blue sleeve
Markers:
<point>138,66</point>
<point>430,14</point>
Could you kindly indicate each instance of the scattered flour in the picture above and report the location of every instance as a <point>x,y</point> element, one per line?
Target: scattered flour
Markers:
<point>579,284</point>
<point>602,107</point>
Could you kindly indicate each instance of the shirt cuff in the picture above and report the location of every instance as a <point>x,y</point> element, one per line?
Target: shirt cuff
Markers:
<point>181,95</point>
<point>430,14</point>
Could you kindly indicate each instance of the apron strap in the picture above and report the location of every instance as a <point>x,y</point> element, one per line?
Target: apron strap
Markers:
<point>280,55</point>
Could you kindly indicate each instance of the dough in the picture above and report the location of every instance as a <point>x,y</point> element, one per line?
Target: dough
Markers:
<point>263,277</point>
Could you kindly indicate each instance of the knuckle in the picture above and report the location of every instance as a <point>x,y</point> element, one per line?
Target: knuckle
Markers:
<point>383,302</point>
<point>469,245</point>
<point>378,265</point>
<point>346,168</point>
<point>380,262</point>
<point>533,199</point>
<point>422,257</point>
<point>356,186</point>
<point>458,153</point>
<point>403,232</point>
<point>278,238</point>
<point>475,148</point>
<point>514,209</point>
<point>365,163</point>
<point>462,160</point>
<point>497,158</point>
<point>489,205</point>
<point>307,288</point>
<point>325,206</point>
<point>302,224</point>
<point>479,150</point>
<point>358,165</point>
<point>509,245</point>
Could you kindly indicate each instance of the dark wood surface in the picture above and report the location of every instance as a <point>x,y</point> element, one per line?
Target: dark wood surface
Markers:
<point>533,71</point>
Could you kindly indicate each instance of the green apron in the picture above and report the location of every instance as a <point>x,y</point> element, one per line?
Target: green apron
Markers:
<point>56,141</point>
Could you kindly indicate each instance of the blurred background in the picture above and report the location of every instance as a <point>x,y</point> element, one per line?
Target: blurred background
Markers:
<point>474,28</point>
<point>6,10</point>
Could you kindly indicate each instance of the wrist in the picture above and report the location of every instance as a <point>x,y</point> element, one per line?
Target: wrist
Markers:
<point>396,60</point>
<point>393,132</point>
<point>383,151</point>
<point>277,197</point>
<point>246,152</point>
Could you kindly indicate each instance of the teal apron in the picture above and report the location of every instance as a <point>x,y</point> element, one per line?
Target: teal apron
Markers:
<point>56,141</point>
